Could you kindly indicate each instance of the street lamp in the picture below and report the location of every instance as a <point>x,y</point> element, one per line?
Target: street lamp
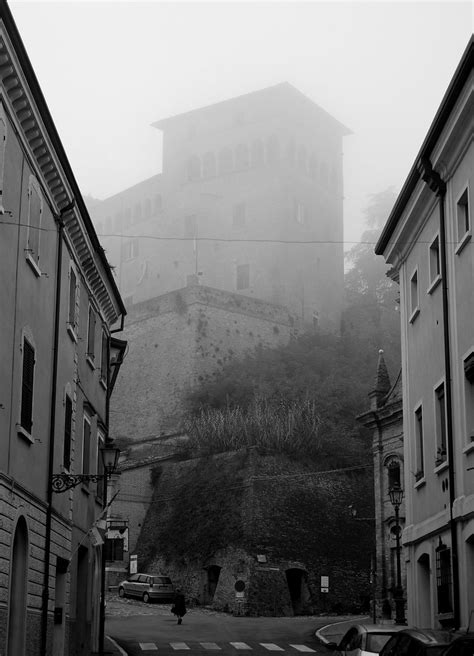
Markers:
<point>62,482</point>
<point>109,455</point>
<point>396,496</point>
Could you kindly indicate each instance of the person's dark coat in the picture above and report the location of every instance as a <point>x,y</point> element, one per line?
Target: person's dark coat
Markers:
<point>179,605</point>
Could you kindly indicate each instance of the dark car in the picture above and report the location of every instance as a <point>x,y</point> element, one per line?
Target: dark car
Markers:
<point>364,639</point>
<point>418,642</point>
<point>147,587</point>
<point>463,645</point>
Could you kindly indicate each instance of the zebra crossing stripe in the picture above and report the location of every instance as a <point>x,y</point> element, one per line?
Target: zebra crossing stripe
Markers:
<point>302,648</point>
<point>271,646</point>
<point>179,645</point>
<point>147,646</point>
<point>240,645</point>
<point>210,645</point>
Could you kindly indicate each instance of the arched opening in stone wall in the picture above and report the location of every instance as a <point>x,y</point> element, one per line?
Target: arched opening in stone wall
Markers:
<point>213,573</point>
<point>18,591</point>
<point>423,573</point>
<point>296,579</point>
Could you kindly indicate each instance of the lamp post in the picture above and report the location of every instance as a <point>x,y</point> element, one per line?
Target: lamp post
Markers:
<point>396,497</point>
<point>62,482</point>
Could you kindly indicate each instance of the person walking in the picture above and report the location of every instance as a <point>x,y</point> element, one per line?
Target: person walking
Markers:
<point>179,606</point>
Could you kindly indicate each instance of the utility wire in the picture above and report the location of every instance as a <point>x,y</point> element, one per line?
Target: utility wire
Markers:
<point>230,239</point>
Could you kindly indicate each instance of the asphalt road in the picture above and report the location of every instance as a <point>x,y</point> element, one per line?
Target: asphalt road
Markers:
<point>151,629</point>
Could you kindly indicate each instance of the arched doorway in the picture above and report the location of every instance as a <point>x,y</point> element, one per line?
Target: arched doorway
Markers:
<point>18,591</point>
<point>213,573</point>
<point>295,578</point>
<point>424,591</point>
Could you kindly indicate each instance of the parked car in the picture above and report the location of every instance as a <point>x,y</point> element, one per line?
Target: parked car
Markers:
<point>463,645</point>
<point>419,642</point>
<point>364,639</point>
<point>147,587</point>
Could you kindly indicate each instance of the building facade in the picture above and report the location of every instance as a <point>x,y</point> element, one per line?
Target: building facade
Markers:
<point>385,420</point>
<point>250,200</point>
<point>59,307</point>
<point>427,240</point>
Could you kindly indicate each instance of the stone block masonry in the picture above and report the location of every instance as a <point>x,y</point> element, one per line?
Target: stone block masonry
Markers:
<point>179,340</point>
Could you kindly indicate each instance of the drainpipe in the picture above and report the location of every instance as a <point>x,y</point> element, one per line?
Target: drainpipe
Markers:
<point>438,186</point>
<point>49,493</point>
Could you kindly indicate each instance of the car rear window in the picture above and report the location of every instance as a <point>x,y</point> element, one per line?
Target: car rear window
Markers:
<point>162,580</point>
<point>375,641</point>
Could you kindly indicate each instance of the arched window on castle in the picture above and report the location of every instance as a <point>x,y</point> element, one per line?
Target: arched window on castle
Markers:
<point>193,168</point>
<point>147,208</point>
<point>157,204</point>
<point>226,160</point>
<point>273,149</point>
<point>258,153</point>
<point>302,159</point>
<point>324,174</point>
<point>313,167</point>
<point>242,157</point>
<point>291,152</point>
<point>209,165</point>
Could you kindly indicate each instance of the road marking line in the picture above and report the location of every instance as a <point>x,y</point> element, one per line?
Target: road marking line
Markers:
<point>210,645</point>
<point>179,645</point>
<point>302,648</point>
<point>271,646</point>
<point>148,646</point>
<point>240,645</point>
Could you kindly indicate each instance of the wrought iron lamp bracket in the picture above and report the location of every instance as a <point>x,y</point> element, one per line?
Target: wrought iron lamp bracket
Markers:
<point>64,482</point>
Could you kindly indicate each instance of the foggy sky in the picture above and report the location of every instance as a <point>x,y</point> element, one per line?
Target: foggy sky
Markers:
<point>109,69</point>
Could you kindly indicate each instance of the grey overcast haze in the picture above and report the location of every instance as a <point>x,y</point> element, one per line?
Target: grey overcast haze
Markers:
<point>110,69</point>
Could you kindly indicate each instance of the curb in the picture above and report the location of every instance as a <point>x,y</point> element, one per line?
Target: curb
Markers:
<point>117,647</point>
<point>352,620</point>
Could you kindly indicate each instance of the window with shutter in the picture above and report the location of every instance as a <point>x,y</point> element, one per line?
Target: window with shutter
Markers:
<point>86,447</point>
<point>72,299</point>
<point>104,358</point>
<point>34,223</point>
<point>67,433</point>
<point>27,386</point>
<point>91,334</point>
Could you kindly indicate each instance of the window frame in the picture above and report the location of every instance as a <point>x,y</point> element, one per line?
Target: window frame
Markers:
<point>419,434</point>
<point>104,351</point>
<point>72,327</point>
<point>27,431</point>
<point>239,216</point>
<point>468,388</point>
<point>414,308</point>
<point>91,335</point>
<point>67,434</point>
<point>465,237</point>
<point>441,454</point>
<point>238,276</point>
<point>434,255</point>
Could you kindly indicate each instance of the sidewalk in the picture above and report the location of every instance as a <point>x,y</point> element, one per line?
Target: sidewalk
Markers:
<point>333,632</point>
<point>111,648</point>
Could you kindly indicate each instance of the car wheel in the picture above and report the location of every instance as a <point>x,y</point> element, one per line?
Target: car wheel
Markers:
<point>146,597</point>
<point>121,592</point>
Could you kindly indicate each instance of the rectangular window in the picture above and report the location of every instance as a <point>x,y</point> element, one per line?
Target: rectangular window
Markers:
<point>440,424</point>
<point>419,456</point>
<point>104,357</point>
<point>130,249</point>
<point>243,276</point>
<point>100,464</point>
<point>239,218</point>
<point>114,548</point>
<point>72,299</point>
<point>190,226</point>
<point>435,270</point>
<point>91,334</point>
<point>469,396</point>
<point>67,433</point>
<point>27,385</point>
<point>414,295</point>
<point>299,212</point>
<point>463,219</point>
<point>443,579</point>
<point>86,445</point>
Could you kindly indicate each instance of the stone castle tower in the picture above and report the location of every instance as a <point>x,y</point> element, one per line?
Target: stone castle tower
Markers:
<point>249,201</point>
